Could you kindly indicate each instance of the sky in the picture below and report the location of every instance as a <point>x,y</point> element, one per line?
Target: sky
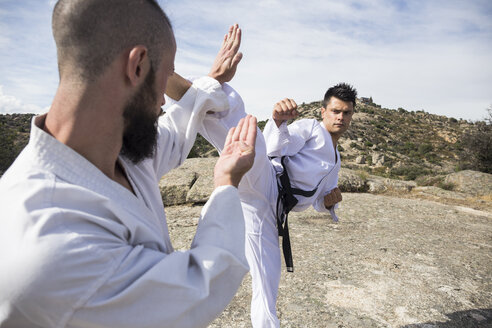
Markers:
<point>431,55</point>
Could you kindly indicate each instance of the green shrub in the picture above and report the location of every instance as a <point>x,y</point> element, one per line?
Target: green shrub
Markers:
<point>477,147</point>
<point>425,148</point>
<point>446,186</point>
<point>408,172</point>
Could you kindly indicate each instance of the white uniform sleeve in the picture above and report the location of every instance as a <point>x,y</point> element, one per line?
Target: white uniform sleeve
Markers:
<point>285,140</point>
<point>319,204</point>
<point>179,126</point>
<point>76,269</point>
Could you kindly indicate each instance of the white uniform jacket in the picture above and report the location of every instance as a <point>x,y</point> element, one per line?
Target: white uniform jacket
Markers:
<point>79,250</point>
<point>311,159</point>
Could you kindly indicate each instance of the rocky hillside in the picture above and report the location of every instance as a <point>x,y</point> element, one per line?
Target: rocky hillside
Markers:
<point>398,144</point>
<point>391,143</point>
<point>14,135</point>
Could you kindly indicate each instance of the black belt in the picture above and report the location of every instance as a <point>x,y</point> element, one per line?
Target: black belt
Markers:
<point>287,199</point>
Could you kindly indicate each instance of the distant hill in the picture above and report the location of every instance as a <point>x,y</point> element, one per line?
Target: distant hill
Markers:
<point>399,143</point>
<point>393,143</point>
<point>14,135</point>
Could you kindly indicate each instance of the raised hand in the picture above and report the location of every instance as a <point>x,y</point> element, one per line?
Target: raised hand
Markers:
<point>226,61</point>
<point>238,154</point>
<point>335,196</point>
<point>284,110</point>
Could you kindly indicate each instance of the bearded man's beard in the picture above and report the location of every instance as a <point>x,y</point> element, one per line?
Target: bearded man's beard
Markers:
<point>140,134</point>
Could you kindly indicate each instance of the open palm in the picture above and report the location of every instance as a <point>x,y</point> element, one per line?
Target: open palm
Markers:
<point>238,154</point>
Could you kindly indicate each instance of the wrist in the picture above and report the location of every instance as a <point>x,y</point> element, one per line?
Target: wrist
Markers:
<point>226,180</point>
<point>216,77</point>
<point>177,86</point>
<point>278,122</point>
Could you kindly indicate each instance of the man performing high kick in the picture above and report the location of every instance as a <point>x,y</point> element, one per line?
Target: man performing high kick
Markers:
<point>304,151</point>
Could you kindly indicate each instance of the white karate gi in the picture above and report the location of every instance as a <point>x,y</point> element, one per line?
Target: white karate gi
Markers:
<point>311,162</point>
<point>79,250</point>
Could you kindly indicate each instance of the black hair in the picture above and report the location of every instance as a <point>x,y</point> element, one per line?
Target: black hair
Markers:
<point>342,91</point>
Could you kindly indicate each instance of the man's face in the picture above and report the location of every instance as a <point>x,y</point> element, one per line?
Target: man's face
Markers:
<point>337,116</point>
<point>143,110</point>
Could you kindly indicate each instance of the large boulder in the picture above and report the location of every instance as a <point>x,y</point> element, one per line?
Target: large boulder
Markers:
<point>349,181</point>
<point>471,182</point>
<point>192,182</point>
<point>201,189</point>
<point>378,159</point>
<point>175,185</point>
<point>360,159</point>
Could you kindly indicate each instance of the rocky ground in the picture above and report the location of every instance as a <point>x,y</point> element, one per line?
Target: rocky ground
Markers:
<point>410,257</point>
<point>389,262</point>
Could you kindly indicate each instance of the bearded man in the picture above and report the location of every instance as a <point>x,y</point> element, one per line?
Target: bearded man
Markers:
<point>83,235</point>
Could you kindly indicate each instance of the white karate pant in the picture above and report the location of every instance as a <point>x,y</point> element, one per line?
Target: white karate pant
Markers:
<point>258,192</point>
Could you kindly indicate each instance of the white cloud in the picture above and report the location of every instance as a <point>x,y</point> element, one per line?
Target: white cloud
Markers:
<point>28,71</point>
<point>430,55</point>
<point>10,104</point>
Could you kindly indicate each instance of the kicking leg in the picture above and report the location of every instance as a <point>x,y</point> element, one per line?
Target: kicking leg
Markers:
<point>263,256</point>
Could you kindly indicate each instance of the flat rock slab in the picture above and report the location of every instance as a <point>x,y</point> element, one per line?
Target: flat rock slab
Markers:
<point>389,262</point>
<point>175,185</point>
<point>472,182</point>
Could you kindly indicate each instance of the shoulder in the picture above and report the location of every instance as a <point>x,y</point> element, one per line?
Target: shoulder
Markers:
<point>22,185</point>
<point>306,127</point>
<point>305,123</point>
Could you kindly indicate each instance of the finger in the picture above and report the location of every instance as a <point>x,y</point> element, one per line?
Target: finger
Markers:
<point>293,104</point>
<point>284,107</point>
<point>234,32</point>
<point>229,35</point>
<point>237,131</point>
<point>232,36</point>
<point>237,58</point>
<point>237,40</point>
<point>224,42</point>
<point>252,130</point>
<point>290,104</point>
<point>275,112</point>
<point>245,127</point>
<point>229,137</point>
